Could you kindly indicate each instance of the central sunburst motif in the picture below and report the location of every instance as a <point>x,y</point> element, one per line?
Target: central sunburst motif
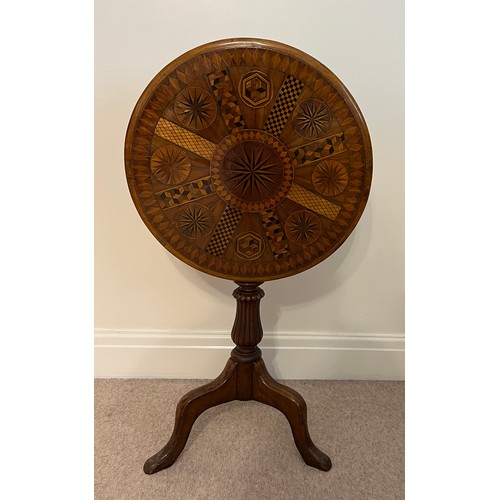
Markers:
<point>195,108</point>
<point>252,171</point>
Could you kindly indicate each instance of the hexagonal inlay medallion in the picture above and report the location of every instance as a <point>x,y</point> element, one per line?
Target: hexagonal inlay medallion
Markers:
<point>255,89</point>
<point>249,246</point>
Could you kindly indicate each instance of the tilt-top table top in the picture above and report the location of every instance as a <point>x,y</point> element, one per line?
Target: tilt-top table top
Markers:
<point>248,160</point>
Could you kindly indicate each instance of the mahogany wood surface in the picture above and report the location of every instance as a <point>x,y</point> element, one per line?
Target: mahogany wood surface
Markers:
<point>248,159</point>
<point>244,377</point>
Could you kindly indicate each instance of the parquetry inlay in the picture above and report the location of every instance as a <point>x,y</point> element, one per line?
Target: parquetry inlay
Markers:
<point>248,160</point>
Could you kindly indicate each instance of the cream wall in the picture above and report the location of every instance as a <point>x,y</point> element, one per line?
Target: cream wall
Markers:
<point>139,286</point>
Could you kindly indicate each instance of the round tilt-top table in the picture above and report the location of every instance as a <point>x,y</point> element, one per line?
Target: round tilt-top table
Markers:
<point>248,160</point>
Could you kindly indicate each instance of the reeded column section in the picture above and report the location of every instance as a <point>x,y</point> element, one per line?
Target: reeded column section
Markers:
<point>247,329</point>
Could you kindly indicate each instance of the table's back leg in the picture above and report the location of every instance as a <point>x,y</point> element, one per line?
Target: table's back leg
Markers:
<point>190,407</point>
<point>266,390</point>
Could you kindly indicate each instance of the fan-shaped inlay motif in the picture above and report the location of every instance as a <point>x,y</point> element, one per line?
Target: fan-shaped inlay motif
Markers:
<point>330,178</point>
<point>170,165</point>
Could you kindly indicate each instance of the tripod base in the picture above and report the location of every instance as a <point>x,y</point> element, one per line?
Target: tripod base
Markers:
<point>244,378</point>
<point>240,381</point>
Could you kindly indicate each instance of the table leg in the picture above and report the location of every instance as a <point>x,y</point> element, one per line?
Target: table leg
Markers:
<point>190,407</point>
<point>292,405</point>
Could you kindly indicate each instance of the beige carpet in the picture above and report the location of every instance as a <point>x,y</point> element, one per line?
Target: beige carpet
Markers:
<point>245,450</point>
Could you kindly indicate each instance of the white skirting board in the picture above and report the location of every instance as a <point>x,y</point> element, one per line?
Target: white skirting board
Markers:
<point>288,356</point>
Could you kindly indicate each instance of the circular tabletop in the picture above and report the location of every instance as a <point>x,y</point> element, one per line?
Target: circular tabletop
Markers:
<point>248,160</point>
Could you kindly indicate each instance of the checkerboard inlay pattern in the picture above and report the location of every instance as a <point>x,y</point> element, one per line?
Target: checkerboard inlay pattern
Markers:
<point>224,231</point>
<point>283,107</point>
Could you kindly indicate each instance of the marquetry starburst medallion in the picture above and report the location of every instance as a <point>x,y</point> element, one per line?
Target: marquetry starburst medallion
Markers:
<point>330,178</point>
<point>194,220</point>
<point>312,118</point>
<point>252,170</point>
<point>303,227</point>
<point>170,165</point>
<point>195,108</point>
<point>248,160</point>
